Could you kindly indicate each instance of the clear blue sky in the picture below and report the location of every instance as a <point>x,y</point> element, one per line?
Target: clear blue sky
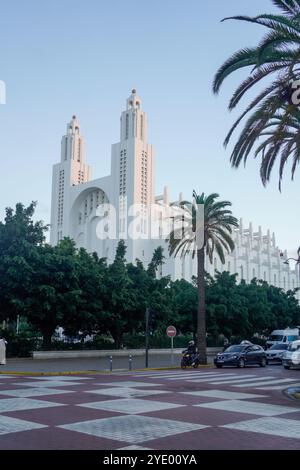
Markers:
<point>67,56</point>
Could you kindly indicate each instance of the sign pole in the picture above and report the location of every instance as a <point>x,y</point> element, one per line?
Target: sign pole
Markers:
<point>147,338</point>
<point>171,333</point>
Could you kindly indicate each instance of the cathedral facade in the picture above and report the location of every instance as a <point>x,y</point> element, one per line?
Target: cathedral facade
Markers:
<point>97,213</point>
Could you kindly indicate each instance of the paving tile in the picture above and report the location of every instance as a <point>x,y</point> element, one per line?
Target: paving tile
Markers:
<point>125,392</point>
<point>33,392</point>
<point>132,384</point>
<point>54,384</point>
<point>254,408</point>
<point>61,378</point>
<point>9,425</point>
<point>135,448</point>
<point>130,405</point>
<point>15,404</point>
<point>272,426</point>
<point>56,439</point>
<point>223,394</point>
<point>132,429</point>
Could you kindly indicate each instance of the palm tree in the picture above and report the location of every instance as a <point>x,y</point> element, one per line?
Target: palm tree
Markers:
<point>210,221</point>
<point>277,57</point>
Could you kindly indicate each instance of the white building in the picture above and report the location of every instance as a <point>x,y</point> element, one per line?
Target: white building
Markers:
<point>97,213</point>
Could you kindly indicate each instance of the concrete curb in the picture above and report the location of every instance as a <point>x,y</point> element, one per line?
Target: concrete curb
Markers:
<point>97,372</point>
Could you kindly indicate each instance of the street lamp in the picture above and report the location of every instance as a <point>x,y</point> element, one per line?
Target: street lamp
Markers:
<point>297,261</point>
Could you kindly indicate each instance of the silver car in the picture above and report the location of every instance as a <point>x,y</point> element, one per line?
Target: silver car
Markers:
<point>275,353</point>
<point>291,357</point>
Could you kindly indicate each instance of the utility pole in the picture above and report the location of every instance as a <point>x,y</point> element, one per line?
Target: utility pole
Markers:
<point>147,337</point>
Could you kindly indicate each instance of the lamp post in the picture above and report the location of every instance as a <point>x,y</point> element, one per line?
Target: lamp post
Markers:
<point>297,261</point>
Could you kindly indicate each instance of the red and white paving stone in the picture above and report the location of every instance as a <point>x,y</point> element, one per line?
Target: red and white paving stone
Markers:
<point>160,410</point>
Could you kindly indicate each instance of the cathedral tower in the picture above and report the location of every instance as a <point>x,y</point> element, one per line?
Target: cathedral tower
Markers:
<point>71,171</point>
<point>133,167</point>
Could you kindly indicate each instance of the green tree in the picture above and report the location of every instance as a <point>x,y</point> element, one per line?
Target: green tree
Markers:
<point>227,307</point>
<point>120,300</point>
<point>89,316</point>
<point>217,227</point>
<point>54,291</point>
<point>274,119</point>
<point>20,237</point>
<point>184,306</point>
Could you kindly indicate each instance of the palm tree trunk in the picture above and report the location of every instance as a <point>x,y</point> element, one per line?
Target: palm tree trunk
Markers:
<point>201,320</point>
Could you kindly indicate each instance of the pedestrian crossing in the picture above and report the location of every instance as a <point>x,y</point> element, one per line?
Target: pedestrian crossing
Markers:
<point>237,379</point>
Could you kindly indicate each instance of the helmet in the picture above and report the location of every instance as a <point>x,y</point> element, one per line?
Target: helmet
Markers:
<point>191,343</point>
<point>246,342</point>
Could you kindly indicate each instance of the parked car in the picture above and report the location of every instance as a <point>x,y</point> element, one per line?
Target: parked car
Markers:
<point>241,355</point>
<point>282,336</point>
<point>276,353</point>
<point>291,357</point>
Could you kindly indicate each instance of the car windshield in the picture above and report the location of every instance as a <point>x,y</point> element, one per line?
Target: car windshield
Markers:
<point>292,338</point>
<point>276,338</point>
<point>279,346</point>
<point>235,348</point>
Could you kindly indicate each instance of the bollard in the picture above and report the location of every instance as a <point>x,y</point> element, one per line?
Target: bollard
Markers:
<point>130,362</point>
<point>110,363</point>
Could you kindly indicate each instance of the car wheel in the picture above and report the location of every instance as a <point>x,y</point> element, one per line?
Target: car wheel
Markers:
<point>241,363</point>
<point>219,366</point>
<point>287,367</point>
<point>263,362</point>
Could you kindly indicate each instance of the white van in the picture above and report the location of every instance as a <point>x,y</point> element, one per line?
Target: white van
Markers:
<point>291,357</point>
<point>283,336</point>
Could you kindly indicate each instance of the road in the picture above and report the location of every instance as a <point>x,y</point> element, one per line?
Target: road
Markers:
<point>160,410</point>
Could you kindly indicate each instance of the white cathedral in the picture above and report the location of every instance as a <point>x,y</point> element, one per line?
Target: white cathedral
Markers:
<point>98,213</point>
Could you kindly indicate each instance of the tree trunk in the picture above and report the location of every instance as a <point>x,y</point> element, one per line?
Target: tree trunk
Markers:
<point>201,321</point>
<point>47,335</point>
<point>117,337</point>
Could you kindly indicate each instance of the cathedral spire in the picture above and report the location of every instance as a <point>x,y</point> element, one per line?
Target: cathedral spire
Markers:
<point>134,101</point>
<point>133,119</point>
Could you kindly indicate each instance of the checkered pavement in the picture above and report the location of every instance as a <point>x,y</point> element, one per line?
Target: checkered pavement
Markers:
<point>161,410</point>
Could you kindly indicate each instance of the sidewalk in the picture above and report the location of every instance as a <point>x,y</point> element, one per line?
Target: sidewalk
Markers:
<point>87,364</point>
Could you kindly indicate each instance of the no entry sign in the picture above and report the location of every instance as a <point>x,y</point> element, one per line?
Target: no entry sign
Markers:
<point>171,331</point>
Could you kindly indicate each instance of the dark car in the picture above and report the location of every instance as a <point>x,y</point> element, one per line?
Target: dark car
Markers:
<point>241,355</point>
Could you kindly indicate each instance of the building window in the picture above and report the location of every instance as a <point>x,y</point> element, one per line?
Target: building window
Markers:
<point>127,127</point>
<point>142,126</point>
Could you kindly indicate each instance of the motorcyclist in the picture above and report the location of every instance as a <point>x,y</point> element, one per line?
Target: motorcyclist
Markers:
<point>192,351</point>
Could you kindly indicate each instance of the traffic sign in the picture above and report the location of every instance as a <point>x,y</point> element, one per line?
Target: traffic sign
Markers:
<point>171,331</point>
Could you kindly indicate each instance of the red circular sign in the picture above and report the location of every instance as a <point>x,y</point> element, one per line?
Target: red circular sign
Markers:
<point>171,331</point>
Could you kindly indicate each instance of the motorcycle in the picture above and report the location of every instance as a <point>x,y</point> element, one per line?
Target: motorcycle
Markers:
<point>189,361</point>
